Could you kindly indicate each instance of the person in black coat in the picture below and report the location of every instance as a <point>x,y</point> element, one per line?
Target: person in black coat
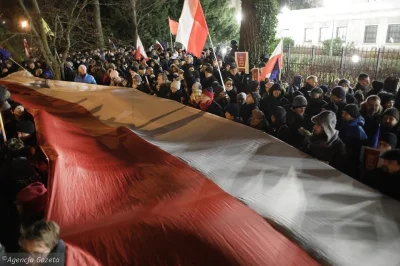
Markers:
<point>278,127</point>
<point>296,119</point>
<point>390,122</point>
<point>311,83</point>
<point>377,87</point>
<point>371,112</point>
<point>324,143</point>
<point>338,102</point>
<point>209,78</point>
<point>252,102</point>
<point>387,178</point>
<point>207,103</point>
<point>162,88</point>
<point>362,84</point>
<point>176,93</point>
<point>345,84</point>
<point>316,102</point>
<point>231,90</point>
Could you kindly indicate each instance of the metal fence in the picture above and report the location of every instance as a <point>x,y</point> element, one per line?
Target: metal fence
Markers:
<point>340,63</point>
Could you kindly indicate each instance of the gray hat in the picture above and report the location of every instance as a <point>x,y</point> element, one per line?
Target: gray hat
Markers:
<point>299,101</point>
<point>327,120</point>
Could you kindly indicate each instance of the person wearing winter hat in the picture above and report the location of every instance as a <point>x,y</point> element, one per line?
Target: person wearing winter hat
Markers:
<point>251,103</point>
<point>207,103</point>
<point>311,83</point>
<point>386,179</point>
<point>370,111</point>
<point>387,100</point>
<point>272,101</point>
<point>220,95</point>
<point>338,98</point>
<point>387,142</point>
<point>345,84</point>
<point>176,92</point>
<point>351,132</point>
<point>390,122</point>
<point>231,90</point>
<point>278,127</point>
<point>377,87</point>
<point>324,143</point>
<point>209,77</point>
<point>316,102</point>
<point>296,119</point>
<point>252,86</point>
<point>391,85</point>
<point>257,120</point>
<point>26,132</point>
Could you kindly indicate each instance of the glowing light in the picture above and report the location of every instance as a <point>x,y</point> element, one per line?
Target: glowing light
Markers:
<point>224,50</point>
<point>4,22</point>
<point>239,17</point>
<point>24,24</point>
<point>355,59</point>
<point>285,9</point>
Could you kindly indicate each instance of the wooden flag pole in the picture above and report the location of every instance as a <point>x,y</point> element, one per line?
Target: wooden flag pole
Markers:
<point>3,131</point>
<point>215,56</point>
<point>172,44</point>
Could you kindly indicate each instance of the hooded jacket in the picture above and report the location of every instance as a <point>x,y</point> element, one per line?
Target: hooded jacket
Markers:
<point>353,131</point>
<point>270,103</point>
<point>331,149</point>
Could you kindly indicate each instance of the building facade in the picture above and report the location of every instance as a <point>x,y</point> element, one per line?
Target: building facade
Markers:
<point>366,23</point>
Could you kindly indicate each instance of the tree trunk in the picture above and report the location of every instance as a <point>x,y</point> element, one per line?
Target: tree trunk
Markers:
<point>99,27</point>
<point>249,31</point>
<point>134,21</point>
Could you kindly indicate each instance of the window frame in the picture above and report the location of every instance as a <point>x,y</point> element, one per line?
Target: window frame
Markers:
<point>320,34</point>
<point>387,33</point>
<point>305,34</point>
<point>337,33</point>
<point>376,34</point>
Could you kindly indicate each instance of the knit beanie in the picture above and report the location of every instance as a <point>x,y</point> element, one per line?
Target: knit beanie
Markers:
<point>386,97</point>
<point>344,82</point>
<point>33,197</point>
<point>256,97</point>
<point>252,86</point>
<point>217,88</point>
<point>352,110</point>
<point>339,92</point>
<point>299,101</point>
<point>280,115</point>
<point>198,86</point>
<point>327,120</point>
<point>134,69</point>
<point>389,138</point>
<point>208,92</point>
<point>317,91</point>
<point>377,85</point>
<point>26,127</point>
<point>324,88</point>
<point>275,87</point>
<point>392,112</point>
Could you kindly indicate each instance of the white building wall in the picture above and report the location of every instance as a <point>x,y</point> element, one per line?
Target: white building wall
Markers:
<point>355,16</point>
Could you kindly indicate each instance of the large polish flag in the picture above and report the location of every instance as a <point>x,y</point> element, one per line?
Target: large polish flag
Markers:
<point>274,64</point>
<point>140,52</point>
<point>192,30</point>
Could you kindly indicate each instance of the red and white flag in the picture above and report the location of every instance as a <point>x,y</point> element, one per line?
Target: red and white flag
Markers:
<point>27,49</point>
<point>159,45</point>
<point>173,26</point>
<point>140,51</point>
<point>274,65</point>
<point>192,30</point>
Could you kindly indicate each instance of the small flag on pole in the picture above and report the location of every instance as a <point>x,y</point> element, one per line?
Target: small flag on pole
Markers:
<point>192,30</point>
<point>47,29</point>
<point>159,45</point>
<point>27,49</point>
<point>274,65</point>
<point>173,26</point>
<point>140,51</point>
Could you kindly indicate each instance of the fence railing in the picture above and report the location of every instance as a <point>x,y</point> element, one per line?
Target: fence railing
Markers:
<point>344,63</point>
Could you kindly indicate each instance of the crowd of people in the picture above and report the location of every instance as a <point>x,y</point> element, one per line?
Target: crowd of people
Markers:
<point>23,192</point>
<point>338,125</point>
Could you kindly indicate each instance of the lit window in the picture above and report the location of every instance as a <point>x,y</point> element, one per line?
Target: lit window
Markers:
<point>370,33</point>
<point>324,34</point>
<point>341,32</point>
<point>393,34</point>
<point>308,35</point>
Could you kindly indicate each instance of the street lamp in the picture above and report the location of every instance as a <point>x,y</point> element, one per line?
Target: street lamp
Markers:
<point>24,24</point>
